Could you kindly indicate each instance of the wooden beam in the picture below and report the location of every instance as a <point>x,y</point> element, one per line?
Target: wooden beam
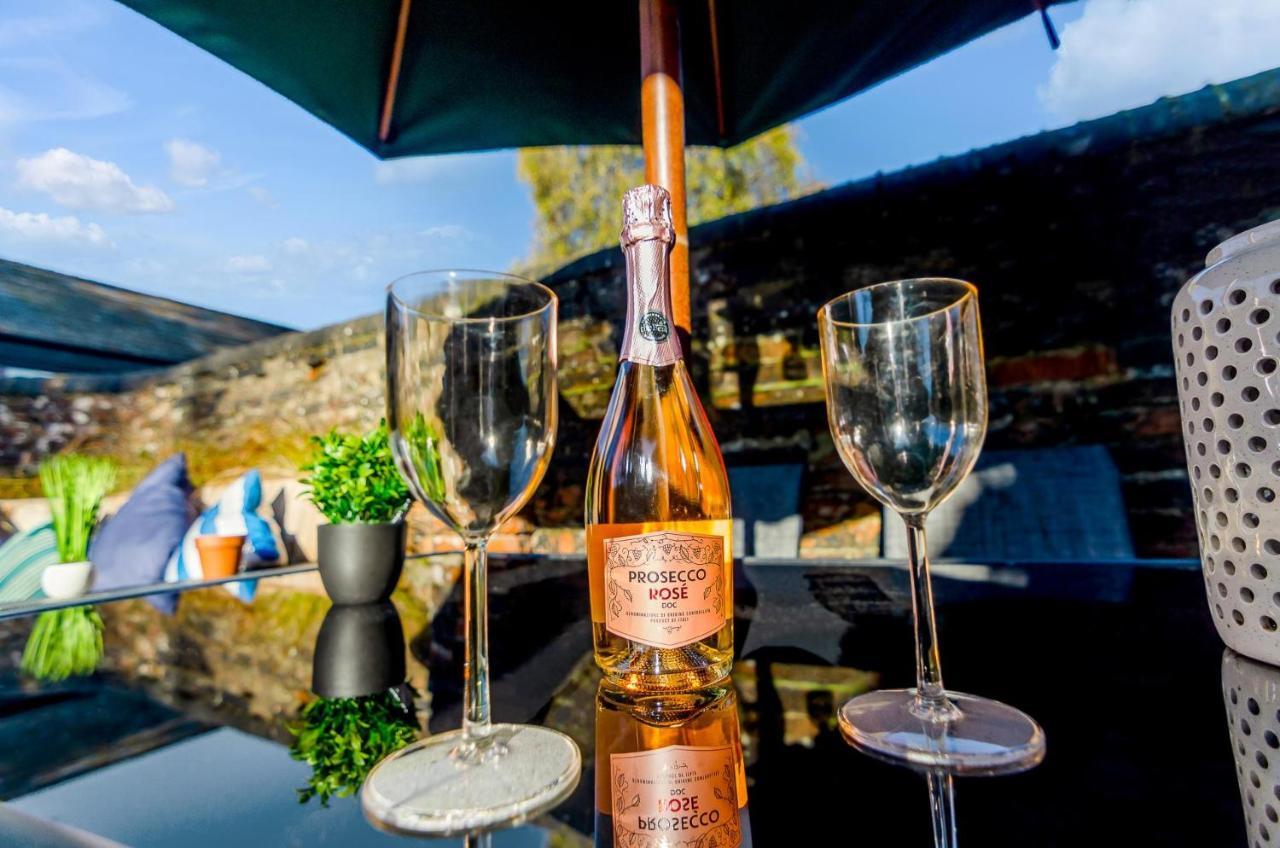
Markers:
<point>662,110</point>
<point>393,73</point>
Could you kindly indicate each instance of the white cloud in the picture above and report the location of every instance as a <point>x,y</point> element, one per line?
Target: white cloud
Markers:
<point>37,226</point>
<point>248,264</point>
<point>295,246</point>
<point>146,266</point>
<point>1125,53</point>
<point>447,231</point>
<point>414,169</point>
<point>47,90</point>
<point>79,182</point>
<point>425,169</point>
<point>22,31</point>
<point>190,163</point>
<point>263,196</point>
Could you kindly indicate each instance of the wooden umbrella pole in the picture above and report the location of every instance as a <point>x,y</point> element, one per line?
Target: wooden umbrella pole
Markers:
<point>662,109</point>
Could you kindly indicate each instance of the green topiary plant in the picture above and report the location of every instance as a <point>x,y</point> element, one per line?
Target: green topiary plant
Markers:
<point>68,642</point>
<point>353,479</point>
<point>342,739</point>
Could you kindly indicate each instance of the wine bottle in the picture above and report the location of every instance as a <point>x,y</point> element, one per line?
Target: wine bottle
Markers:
<point>657,502</point>
<point>669,769</point>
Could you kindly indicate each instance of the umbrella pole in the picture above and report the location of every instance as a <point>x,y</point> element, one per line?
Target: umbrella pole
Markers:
<point>662,109</point>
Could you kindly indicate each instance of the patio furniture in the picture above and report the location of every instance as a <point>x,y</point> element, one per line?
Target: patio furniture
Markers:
<point>1036,635</point>
<point>1062,503</point>
<point>766,507</point>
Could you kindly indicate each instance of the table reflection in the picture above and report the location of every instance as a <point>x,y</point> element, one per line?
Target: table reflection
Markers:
<point>220,683</point>
<point>363,709</point>
<point>669,769</point>
<point>1251,693</point>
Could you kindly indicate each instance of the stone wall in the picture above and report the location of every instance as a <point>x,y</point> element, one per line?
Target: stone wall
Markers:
<point>1078,240</point>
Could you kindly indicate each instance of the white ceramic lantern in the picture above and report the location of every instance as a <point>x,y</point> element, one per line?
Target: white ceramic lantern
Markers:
<point>1226,340</point>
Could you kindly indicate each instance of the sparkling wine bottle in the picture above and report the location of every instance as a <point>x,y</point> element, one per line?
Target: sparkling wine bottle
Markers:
<point>669,769</point>
<point>657,501</point>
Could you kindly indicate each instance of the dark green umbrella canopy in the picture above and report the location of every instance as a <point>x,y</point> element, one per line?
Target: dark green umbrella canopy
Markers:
<point>481,75</point>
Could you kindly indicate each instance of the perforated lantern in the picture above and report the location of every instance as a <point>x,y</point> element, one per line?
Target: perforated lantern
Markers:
<point>1226,341</point>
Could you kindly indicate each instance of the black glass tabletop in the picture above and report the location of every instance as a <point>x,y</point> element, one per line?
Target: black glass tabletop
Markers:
<point>201,728</point>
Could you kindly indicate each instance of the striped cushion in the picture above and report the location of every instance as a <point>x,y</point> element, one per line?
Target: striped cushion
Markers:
<point>235,513</point>
<point>22,559</point>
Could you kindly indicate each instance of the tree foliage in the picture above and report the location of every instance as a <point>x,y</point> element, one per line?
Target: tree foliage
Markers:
<point>577,191</point>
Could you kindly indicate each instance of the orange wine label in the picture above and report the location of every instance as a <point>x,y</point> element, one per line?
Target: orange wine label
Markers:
<point>675,797</point>
<point>664,588</point>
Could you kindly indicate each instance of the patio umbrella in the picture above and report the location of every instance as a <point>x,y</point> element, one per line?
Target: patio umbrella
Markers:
<point>411,77</point>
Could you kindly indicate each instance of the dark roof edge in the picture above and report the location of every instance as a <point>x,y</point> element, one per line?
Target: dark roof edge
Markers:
<point>75,278</point>
<point>1213,104</point>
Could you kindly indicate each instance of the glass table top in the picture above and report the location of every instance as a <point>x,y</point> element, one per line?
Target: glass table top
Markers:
<point>183,735</point>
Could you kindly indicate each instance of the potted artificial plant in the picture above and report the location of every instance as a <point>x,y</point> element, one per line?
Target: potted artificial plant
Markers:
<point>68,641</point>
<point>354,483</point>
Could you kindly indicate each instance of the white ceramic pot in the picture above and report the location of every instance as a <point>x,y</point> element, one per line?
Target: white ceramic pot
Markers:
<point>1226,342</point>
<point>66,579</point>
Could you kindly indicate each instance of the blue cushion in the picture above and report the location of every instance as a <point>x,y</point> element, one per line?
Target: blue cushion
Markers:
<point>22,557</point>
<point>235,513</point>
<point>133,546</point>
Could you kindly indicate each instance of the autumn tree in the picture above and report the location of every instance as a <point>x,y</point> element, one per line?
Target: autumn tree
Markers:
<point>577,190</point>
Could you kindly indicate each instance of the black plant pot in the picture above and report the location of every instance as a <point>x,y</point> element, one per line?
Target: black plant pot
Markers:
<point>359,651</point>
<point>360,563</point>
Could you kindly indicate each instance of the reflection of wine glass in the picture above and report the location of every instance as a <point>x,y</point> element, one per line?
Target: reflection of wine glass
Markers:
<point>907,404</point>
<point>471,403</point>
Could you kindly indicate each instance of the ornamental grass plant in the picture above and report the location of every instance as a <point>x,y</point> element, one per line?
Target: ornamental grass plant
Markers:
<point>68,642</point>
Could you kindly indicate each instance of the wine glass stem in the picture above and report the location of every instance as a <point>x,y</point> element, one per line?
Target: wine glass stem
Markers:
<point>475,704</point>
<point>942,804</point>
<point>931,695</point>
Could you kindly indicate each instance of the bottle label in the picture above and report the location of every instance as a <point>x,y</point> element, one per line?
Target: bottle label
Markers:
<point>674,797</point>
<point>664,588</point>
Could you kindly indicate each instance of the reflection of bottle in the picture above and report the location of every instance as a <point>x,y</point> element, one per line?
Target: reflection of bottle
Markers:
<point>669,770</point>
<point>657,514</point>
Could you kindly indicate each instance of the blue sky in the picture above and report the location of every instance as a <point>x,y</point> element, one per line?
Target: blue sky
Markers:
<point>132,157</point>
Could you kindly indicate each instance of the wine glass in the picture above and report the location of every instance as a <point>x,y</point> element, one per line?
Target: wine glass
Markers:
<point>907,405</point>
<point>471,406</point>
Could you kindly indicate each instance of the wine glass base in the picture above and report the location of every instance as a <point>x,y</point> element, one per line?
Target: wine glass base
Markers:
<point>431,788</point>
<point>985,737</point>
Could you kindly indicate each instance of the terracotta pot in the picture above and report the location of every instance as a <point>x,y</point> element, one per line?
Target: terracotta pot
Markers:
<point>219,555</point>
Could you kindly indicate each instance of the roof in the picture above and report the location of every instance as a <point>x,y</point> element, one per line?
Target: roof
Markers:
<point>1250,97</point>
<point>55,322</point>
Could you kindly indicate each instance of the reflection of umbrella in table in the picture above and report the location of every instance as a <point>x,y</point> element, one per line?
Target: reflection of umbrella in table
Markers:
<point>405,77</point>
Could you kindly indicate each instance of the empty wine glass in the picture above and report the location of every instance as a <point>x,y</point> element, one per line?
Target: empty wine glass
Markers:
<point>907,405</point>
<point>471,405</point>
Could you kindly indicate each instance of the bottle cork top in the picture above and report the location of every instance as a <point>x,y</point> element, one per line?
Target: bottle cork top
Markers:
<point>646,213</point>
